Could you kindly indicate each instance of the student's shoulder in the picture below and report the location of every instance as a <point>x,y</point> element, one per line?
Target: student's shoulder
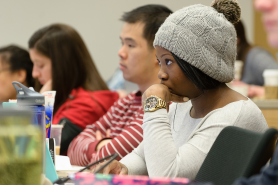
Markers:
<point>130,99</point>
<point>251,117</point>
<point>241,106</point>
<point>247,115</point>
<point>229,113</point>
<point>258,54</point>
<point>257,51</point>
<point>248,107</point>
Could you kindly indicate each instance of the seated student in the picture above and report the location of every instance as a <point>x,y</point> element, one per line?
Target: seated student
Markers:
<point>63,63</point>
<point>196,49</point>
<point>15,65</point>
<point>124,119</point>
<point>255,59</point>
<point>270,14</point>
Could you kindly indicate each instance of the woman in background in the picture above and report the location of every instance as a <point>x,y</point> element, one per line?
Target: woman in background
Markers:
<point>15,65</point>
<point>62,63</point>
<point>255,59</point>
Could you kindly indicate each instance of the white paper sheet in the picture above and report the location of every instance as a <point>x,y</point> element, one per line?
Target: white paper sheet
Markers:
<point>63,164</point>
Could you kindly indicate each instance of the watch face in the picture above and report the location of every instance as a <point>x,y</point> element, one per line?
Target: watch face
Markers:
<point>150,104</point>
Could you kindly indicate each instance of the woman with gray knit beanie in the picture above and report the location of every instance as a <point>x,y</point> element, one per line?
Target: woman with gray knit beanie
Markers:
<point>196,49</point>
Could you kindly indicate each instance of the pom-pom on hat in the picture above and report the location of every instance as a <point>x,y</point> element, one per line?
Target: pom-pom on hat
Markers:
<point>204,37</point>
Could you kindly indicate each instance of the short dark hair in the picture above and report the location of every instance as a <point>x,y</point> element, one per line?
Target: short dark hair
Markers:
<point>71,63</point>
<point>18,58</point>
<point>151,15</point>
<point>196,76</point>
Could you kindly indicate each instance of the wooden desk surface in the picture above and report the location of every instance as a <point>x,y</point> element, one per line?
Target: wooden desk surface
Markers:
<point>266,104</point>
<point>269,109</point>
<point>65,173</point>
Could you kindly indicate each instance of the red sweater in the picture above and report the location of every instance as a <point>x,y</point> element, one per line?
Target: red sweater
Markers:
<point>124,119</point>
<point>84,107</point>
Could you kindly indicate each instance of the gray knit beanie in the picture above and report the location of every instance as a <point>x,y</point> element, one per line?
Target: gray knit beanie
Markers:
<point>204,37</point>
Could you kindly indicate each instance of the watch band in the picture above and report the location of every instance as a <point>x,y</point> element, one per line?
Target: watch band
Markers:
<point>154,103</point>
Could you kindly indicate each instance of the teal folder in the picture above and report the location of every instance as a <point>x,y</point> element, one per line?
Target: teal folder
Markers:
<point>8,105</point>
<point>50,171</point>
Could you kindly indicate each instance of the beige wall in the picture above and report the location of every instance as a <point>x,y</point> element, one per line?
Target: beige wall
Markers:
<point>97,22</point>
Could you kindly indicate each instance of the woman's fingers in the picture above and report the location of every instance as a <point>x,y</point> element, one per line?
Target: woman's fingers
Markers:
<point>95,168</point>
<point>108,133</point>
<point>47,86</point>
<point>124,170</point>
<point>107,169</point>
<point>98,135</point>
<point>115,167</point>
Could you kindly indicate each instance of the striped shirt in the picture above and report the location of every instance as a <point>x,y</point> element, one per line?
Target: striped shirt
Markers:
<point>124,119</point>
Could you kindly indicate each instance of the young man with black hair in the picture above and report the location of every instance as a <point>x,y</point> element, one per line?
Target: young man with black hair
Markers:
<point>119,130</point>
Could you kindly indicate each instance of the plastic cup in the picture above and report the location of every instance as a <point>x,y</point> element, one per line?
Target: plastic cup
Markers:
<point>271,83</point>
<point>240,88</point>
<point>56,131</point>
<point>238,69</point>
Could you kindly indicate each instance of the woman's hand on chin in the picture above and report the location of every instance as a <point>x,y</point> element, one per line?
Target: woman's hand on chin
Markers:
<point>46,87</point>
<point>162,91</point>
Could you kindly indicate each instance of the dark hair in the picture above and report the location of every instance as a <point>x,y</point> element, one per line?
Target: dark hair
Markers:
<point>151,15</point>
<point>243,46</point>
<point>196,76</point>
<point>72,65</point>
<point>18,59</point>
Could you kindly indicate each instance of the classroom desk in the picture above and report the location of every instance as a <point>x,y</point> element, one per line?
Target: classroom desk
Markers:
<point>64,173</point>
<point>269,109</point>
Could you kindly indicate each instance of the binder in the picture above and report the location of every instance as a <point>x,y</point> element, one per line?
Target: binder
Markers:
<point>50,171</point>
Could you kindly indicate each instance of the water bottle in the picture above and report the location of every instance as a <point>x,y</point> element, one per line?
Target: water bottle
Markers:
<point>30,99</point>
<point>20,148</point>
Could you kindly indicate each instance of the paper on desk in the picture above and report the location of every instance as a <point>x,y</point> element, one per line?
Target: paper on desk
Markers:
<point>63,164</point>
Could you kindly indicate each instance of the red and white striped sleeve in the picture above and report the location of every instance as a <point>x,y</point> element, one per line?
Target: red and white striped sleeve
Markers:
<point>78,148</point>
<point>123,143</point>
<point>127,134</point>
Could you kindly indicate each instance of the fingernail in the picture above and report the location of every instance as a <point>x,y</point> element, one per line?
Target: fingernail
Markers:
<point>185,99</point>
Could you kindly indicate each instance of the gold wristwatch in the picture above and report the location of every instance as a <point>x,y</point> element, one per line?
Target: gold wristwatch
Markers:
<point>154,103</point>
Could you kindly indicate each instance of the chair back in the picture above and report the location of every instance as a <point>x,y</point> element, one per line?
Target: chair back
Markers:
<point>236,153</point>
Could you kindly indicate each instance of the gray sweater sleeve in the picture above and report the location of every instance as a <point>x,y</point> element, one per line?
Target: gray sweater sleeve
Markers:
<point>162,156</point>
<point>135,161</point>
